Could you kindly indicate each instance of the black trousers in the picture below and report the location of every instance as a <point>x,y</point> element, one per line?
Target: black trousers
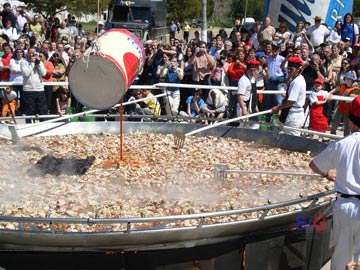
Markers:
<point>49,97</point>
<point>35,103</point>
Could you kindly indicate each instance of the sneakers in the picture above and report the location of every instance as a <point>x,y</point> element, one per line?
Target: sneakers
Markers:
<point>2,122</point>
<point>250,125</point>
<point>254,126</point>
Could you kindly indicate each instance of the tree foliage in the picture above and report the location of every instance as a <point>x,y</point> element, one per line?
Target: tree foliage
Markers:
<point>79,7</point>
<point>356,8</point>
<point>177,10</point>
<point>183,10</point>
<point>255,9</point>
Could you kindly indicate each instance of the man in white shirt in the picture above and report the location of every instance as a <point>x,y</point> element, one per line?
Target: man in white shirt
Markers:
<point>317,33</point>
<point>339,162</point>
<point>246,93</point>
<point>172,74</point>
<point>22,17</point>
<point>33,70</point>
<point>292,112</point>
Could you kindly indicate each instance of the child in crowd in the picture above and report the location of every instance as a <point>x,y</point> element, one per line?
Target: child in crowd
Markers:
<point>318,97</point>
<point>194,105</point>
<point>63,100</point>
<point>343,108</point>
<point>151,106</point>
<point>9,103</point>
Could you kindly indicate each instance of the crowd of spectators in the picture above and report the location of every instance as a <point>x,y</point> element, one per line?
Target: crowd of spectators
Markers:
<point>34,50</point>
<point>327,52</point>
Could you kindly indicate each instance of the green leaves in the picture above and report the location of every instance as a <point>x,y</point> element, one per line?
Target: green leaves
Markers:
<point>183,10</point>
<point>52,7</point>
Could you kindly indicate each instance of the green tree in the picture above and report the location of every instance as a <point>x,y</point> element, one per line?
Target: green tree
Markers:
<point>356,8</point>
<point>183,10</point>
<point>52,7</point>
<point>254,9</point>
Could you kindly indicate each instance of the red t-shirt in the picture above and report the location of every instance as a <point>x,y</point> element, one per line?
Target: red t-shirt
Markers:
<point>235,72</point>
<point>5,75</point>
<point>49,72</point>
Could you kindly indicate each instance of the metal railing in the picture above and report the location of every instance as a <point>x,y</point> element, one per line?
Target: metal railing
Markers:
<point>221,171</point>
<point>193,86</point>
<point>177,118</point>
<point>262,211</point>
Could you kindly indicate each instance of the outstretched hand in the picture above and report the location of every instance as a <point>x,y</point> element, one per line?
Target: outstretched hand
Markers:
<point>352,266</point>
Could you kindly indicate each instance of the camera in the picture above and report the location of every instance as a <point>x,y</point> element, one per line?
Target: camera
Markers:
<point>37,62</point>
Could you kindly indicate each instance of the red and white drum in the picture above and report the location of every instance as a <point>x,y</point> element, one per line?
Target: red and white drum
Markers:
<point>100,78</point>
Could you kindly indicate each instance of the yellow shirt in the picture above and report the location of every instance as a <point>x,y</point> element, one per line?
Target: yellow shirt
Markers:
<point>37,28</point>
<point>153,105</point>
<point>187,28</point>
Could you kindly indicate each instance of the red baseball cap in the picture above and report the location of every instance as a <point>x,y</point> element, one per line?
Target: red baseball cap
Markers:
<point>318,80</point>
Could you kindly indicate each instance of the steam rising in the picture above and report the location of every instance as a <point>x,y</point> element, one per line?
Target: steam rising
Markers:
<point>180,186</point>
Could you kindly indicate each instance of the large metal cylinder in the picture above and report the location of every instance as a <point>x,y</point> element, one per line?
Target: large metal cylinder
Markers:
<point>100,78</point>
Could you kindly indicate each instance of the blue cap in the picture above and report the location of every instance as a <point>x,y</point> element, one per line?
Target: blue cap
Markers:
<point>260,54</point>
<point>350,75</point>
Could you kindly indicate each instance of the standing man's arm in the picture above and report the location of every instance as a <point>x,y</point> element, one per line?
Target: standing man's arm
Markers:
<point>330,174</point>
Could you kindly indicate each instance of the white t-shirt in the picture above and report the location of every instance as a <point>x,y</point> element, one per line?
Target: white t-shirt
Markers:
<point>15,75</point>
<point>299,39</point>
<point>11,33</point>
<point>21,20</point>
<point>344,156</point>
<point>334,37</point>
<point>254,41</point>
<point>244,86</point>
<point>314,95</point>
<point>297,93</point>
<point>317,34</point>
<point>285,35</point>
<point>244,89</point>
<point>12,95</point>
